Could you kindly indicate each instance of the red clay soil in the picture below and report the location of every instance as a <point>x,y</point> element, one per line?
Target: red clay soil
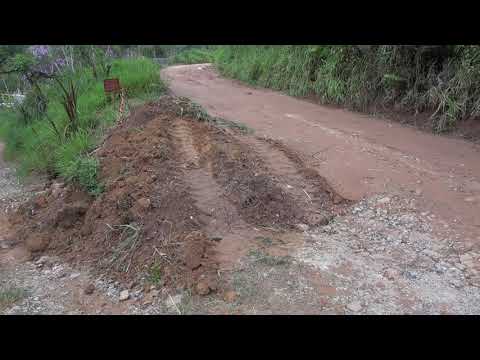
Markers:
<point>359,155</point>
<point>144,218</point>
<point>181,196</point>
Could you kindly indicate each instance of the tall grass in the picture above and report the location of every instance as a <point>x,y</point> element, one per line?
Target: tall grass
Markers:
<point>139,76</point>
<point>37,147</point>
<point>192,56</point>
<point>400,77</point>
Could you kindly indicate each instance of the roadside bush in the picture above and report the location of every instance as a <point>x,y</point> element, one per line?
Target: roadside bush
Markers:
<point>192,56</point>
<point>47,143</point>
<point>139,76</point>
<point>84,171</point>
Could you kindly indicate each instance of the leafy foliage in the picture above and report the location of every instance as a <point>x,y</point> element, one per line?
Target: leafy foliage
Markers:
<point>84,171</point>
<point>192,56</point>
<point>58,139</point>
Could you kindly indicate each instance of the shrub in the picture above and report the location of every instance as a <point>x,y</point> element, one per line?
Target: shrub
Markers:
<point>44,142</point>
<point>10,295</point>
<point>192,56</point>
<point>139,76</point>
<point>84,171</point>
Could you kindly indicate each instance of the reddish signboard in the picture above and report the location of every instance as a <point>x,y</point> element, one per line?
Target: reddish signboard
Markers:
<point>111,85</point>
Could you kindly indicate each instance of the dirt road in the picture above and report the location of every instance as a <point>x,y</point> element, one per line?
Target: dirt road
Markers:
<point>265,233</point>
<point>359,155</point>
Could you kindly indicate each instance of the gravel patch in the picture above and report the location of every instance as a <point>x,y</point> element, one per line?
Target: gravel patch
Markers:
<point>392,262</point>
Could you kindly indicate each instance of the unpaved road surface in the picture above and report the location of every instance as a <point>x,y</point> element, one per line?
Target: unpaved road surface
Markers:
<point>411,242</point>
<point>360,156</point>
<point>406,243</point>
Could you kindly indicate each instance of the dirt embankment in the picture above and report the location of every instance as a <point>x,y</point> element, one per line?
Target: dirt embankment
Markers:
<point>182,198</point>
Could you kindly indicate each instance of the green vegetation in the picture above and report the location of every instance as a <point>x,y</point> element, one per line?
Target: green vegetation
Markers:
<point>441,81</point>
<point>264,258</point>
<point>63,117</point>
<point>155,274</point>
<point>140,76</point>
<point>9,296</point>
<point>192,56</point>
<point>83,171</point>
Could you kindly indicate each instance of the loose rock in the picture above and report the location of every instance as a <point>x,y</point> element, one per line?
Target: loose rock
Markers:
<point>384,200</point>
<point>172,302</point>
<point>355,307</point>
<point>230,296</point>
<point>124,295</point>
<point>203,288</point>
<point>391,274</point>
<point>57,189</point>
<point>144,203</point>
<point>303,227</point>
<point>89,289</point>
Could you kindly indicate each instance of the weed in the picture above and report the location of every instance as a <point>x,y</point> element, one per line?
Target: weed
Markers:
<point>246,284</point>
<point>264,240</point>
<point>48,142</point>
<point>155,274</point>
<point>127,244</point>
<point>187,304</point>
<point>269,260</point>
<point>140,77</point>
<point>192,56</point>
<point>84,171</point>
<point>9,296</point>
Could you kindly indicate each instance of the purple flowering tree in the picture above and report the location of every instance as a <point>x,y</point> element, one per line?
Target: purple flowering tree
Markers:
<point>49,60</point>
<point>39,51</point>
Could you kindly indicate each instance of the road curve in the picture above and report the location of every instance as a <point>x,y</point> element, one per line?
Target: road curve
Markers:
<point>359,155</point>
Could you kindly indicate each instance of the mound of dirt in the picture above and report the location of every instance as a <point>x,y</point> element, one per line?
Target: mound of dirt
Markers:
<point>164,175</point>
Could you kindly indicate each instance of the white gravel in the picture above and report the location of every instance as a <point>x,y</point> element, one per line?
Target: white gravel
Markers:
<point>392,262</point>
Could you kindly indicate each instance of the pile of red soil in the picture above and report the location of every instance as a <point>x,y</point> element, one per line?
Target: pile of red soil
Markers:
<point>147,216</point>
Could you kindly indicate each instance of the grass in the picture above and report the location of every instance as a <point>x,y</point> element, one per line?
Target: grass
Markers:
<point>127,243</point>
<point>187,305</point>
<point>84,171</point>
<point>9,296</point>
<point>264,240</point>
<point>192,56</point>
<point>247,283</point>
<point>139,76</point>
<point>155,274</point>
<point>40,144</point>
<point>269,260</point>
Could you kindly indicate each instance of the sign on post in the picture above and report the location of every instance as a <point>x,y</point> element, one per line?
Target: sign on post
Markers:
<point>111,86</point>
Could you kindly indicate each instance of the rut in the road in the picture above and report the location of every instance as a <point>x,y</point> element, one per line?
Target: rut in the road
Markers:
<point>306,186</point>
<point>222,221</point>
<point>180,194</point>
<point>261,181</point>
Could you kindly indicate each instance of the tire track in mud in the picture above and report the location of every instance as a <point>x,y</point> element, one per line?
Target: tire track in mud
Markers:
<point>220,217</point>
<point>316,199</point>
<point>206,153</point>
